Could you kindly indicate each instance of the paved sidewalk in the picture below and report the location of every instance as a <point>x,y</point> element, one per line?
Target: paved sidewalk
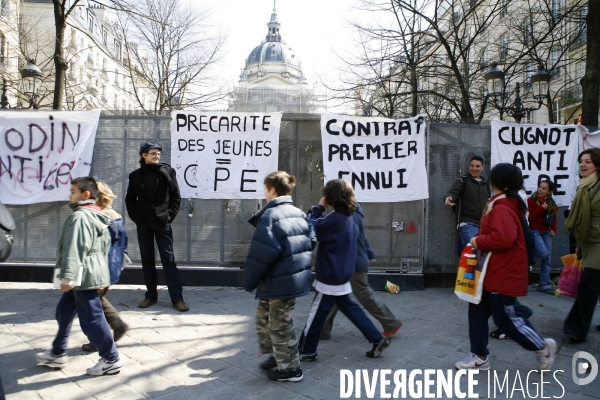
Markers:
<point>211,351</point>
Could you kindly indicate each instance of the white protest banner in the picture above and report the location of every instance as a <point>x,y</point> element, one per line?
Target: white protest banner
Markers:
<point>542,152</point>
<point>383,159</point>
<point>224,155</point>
<point>590,139</point>
<point>42,151</point>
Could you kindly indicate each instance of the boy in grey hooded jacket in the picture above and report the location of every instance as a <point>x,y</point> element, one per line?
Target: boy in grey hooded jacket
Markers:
<point>83,248</point>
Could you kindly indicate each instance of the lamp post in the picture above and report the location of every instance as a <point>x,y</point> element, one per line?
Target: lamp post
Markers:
<point>32,80</point>
<point>494,79</point>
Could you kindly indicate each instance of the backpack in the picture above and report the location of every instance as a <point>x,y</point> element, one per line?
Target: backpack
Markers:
<point>7,224</point>
<point>117,255</point>
<point>462,189</point>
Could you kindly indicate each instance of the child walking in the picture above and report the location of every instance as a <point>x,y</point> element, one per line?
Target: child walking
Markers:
<point>506,278</point>
<point>118,248</point>
<point>83,248</point>
<point>335,264</point>
<point>543,221</point>
<point>278,267</point>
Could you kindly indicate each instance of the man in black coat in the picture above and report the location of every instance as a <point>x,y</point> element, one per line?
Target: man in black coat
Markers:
<point>153,202</point>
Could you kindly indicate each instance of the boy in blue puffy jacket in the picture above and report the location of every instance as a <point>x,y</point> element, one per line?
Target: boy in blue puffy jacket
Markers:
<point>278,267</point>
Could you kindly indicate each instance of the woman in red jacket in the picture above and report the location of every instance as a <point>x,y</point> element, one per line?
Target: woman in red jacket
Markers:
<point>542,221</point>
<point>500,233</point>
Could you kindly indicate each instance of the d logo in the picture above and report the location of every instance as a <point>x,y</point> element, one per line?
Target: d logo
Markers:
<point>578,367</point>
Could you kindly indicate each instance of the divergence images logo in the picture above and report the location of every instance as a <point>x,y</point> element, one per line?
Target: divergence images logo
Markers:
<point>580,367</point>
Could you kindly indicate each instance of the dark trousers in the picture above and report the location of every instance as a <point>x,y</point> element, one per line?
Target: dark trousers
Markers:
<point>163,235</point>
<point>579,319</point>
<point>110,313</point>
<point>86,304</point>
<point>320,310</point>
<point>506,319</point>
<point>366,297</point>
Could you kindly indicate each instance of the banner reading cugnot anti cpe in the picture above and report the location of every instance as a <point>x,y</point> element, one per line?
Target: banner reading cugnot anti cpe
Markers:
<point>383,159</point>
<point>223,155</point>
<point>542,152</point>
<point>42,151</point>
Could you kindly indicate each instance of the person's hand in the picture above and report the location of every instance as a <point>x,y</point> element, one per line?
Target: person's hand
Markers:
<point>545,206</point>
<point>323,202</point>
<point>578,253</point>
<point>448,201</point>
<point>65,288</point>
<point>474,242</point>
<point>551,234</point>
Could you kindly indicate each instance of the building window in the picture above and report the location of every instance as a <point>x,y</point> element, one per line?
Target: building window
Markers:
<point>556,8</point>
<point>104,65</point>
<point>530,117</point>
<point>5,8</point>
<point>556,62</point>
<point>528,73</point>
<point>484,58</point>
<point>528,32</point>
<point>116,102</point>
<point>2,47</point>
<point>504,49</point>
<point>504,9</point>
<point>116,77</point>
<point>580,70</point>
<point>556,111</point>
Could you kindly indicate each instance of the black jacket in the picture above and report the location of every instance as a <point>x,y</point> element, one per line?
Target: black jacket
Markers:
<point>472,202</point>
<point>160,208</point>
<point>280,256</point>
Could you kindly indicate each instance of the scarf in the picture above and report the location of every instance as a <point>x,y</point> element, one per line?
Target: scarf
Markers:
<point>579,217</point>
<point>552,207</point>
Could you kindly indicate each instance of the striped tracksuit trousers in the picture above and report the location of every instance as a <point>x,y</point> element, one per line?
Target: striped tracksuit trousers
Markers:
<point>502,309</point>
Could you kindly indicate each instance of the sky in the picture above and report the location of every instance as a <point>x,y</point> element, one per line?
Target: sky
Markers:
<point>312,28</point>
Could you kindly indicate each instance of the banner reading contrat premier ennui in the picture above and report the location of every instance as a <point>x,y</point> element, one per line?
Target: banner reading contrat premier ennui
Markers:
<point>42,151</point>
<point>383,159</point>
<point>224,155</point>
<point>542,152</point>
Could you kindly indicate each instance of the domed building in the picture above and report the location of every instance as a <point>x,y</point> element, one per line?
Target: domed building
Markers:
<point>272,79</point>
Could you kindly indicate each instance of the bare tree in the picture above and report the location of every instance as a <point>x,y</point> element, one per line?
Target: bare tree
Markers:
<point>172,50</point>
<point>590,82</point>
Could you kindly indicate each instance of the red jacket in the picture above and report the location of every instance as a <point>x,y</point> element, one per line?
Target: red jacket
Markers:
<point>501,233</point>
<point>536,217</point>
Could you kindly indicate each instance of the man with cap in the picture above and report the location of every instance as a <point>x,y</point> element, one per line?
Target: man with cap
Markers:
<point>152,202</point>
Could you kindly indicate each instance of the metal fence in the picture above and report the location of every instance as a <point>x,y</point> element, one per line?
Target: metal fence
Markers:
<point>216,232</point>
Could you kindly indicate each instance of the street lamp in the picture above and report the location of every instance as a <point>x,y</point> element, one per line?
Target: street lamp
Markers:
<point>32,80</point>
<point>494,80</point>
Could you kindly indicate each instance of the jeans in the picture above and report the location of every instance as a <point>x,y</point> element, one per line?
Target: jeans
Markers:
<point>543,250</point>
<point>465,234</point>
<point>579,319</point>
<point>86,304</point>
<point>366,297</point>
<point>506,319</point>
<point>319,311</point>
<point>147,233</point>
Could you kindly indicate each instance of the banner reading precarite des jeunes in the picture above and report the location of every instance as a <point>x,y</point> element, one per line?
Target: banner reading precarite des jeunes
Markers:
<point>42,151</point>
<point>383,159</point>
<point>224,155</point>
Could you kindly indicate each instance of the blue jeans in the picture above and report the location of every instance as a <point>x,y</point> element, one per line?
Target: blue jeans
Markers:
<point>318,314</point>
<point>543,250</point>
<point>86,304</point>
<point>506,318</point>
<point>147,233</point>
<point>465,234</point>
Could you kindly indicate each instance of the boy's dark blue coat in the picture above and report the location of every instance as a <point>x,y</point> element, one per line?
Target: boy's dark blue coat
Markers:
<point>280,257</point>
<point>364,252</point>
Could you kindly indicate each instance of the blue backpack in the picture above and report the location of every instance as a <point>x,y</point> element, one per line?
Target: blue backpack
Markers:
<point>118,248</point>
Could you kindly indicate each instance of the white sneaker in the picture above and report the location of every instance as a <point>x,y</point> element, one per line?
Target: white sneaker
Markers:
<point>473,361</point>
<point>545,357</point>
<point>105,367</point>
<point>51,360</point>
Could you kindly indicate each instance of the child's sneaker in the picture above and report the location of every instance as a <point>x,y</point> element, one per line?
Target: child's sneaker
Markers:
<point>391,334</point>
<point>285,376</point>
<point>268,364</point>
<point>105,367</point>
<point>473,361</point>
<point>545,357</point>
<point>51,360</point>
<point>378,347</point>
<point>308,356</point>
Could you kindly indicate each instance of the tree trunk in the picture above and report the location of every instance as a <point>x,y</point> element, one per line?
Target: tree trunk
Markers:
<point>590,83</point>
<point>60,65</point>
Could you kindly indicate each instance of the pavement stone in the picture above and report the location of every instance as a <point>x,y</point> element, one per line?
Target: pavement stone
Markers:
<point>211,351</point>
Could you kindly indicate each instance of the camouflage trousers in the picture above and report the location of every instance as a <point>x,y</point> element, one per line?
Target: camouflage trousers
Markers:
<point>275,331</point>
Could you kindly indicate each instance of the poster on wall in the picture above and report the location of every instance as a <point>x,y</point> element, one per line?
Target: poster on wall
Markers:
<point>383,159</point>
<point>542,152</point>
<point>41,152</point>
<point>224,155</point>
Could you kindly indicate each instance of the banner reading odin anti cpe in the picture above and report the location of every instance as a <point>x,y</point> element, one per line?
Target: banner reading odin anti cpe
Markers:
<point>224,155</point>
<point>383,159</point>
